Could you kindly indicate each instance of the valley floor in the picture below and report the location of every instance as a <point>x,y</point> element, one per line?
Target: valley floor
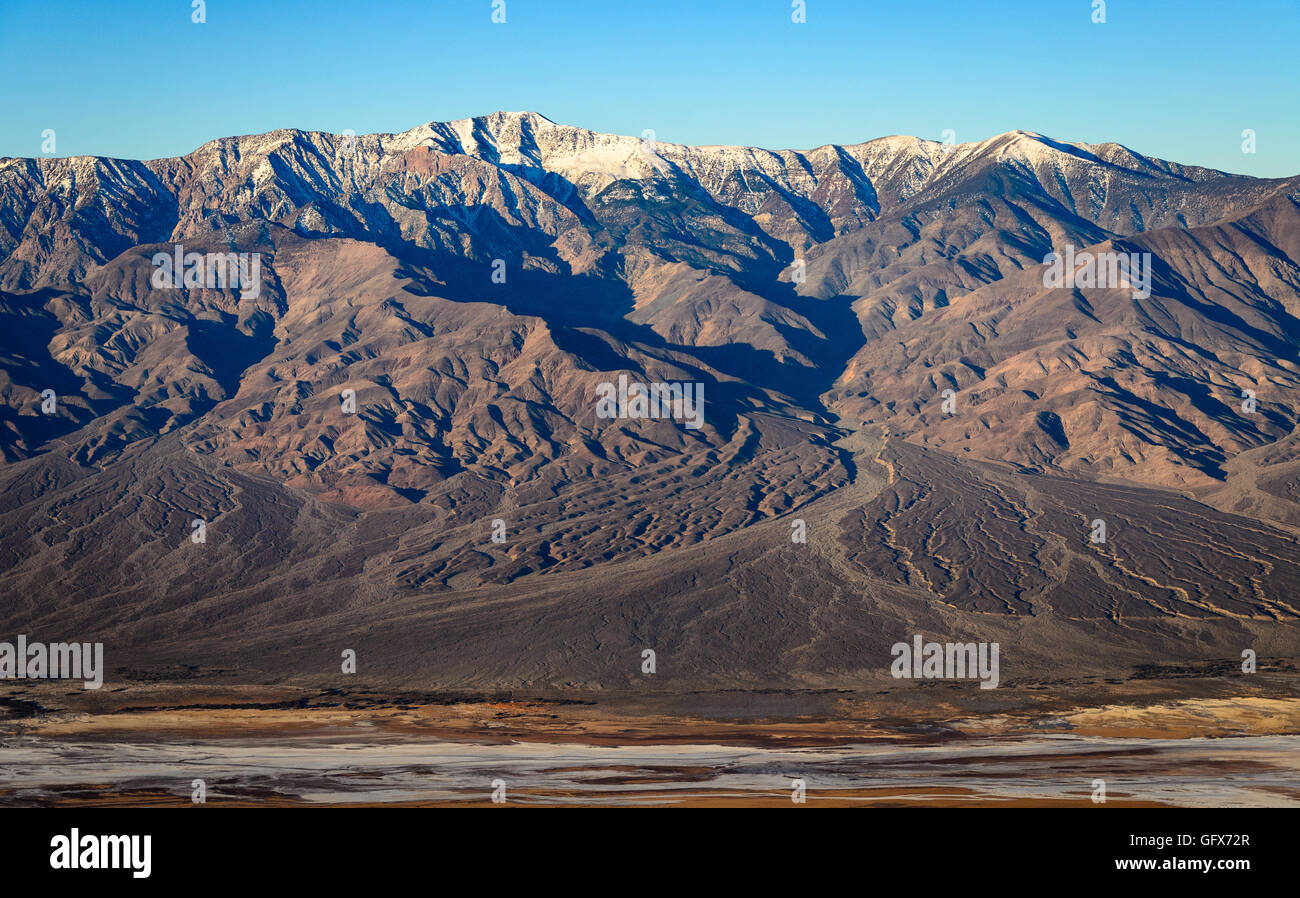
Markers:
<point>1200,742</point>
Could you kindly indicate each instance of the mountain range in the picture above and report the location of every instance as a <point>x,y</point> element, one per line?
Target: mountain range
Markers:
<point>472,283</point>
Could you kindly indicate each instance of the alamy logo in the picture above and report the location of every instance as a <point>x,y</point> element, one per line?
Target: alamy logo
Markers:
<point>77,852</point>
<point>946,661</point>
<point>680,401</point>
<point>1100,270</point>
<point>56,661</point>
<point>212,271</point>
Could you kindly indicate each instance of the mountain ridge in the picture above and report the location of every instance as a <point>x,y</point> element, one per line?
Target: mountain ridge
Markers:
<point>466,127</point>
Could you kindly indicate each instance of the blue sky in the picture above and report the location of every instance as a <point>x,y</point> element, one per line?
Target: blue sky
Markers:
<point>1178,79</point>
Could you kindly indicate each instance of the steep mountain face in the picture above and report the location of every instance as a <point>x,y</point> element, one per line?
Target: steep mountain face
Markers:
<point>1149,389</point>
<point>634,249</point>
<point>469,286</point>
